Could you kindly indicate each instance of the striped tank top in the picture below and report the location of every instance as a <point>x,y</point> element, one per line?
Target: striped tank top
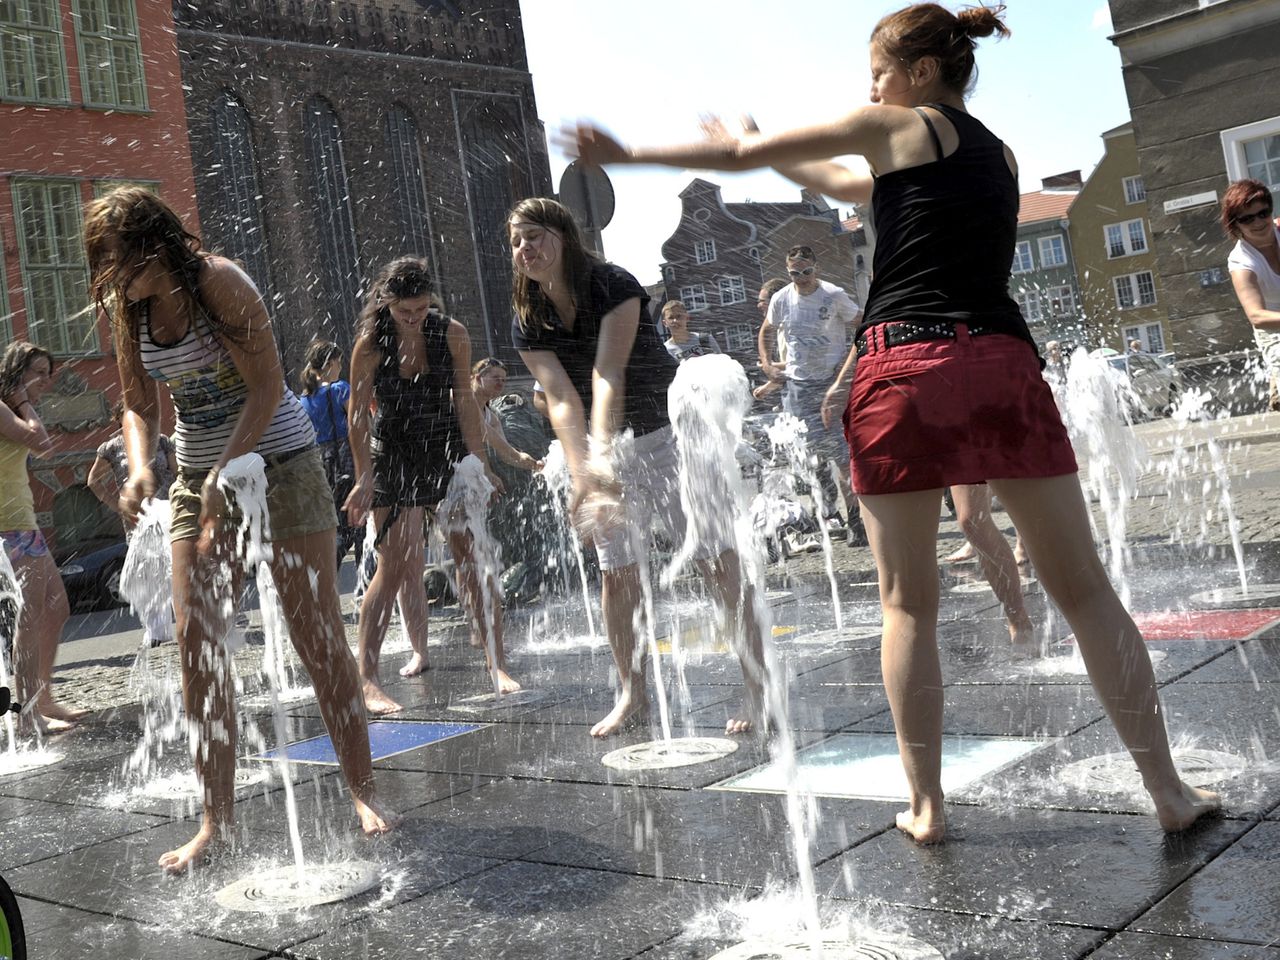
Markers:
<point>209,393</point>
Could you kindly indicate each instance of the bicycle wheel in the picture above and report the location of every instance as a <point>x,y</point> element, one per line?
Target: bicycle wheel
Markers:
<point>13,941</point>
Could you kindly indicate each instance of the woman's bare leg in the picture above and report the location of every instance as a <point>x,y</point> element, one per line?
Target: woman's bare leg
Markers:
<point>903,532</point>
<point>484,618</point>
<point>398,564</point>
<point>1054,520</point>
<point>973,513</point>
<point>413,601</point>
<point>314,616</point>
<point>737,600</point>
<point>55,611</point>
<point>201,607</point>
<point>620,598</point>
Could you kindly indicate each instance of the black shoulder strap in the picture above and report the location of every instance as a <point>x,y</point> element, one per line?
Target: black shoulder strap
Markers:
<point>933,133</point>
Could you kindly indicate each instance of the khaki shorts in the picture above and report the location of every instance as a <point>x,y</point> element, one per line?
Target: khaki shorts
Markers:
<point>299,500</point>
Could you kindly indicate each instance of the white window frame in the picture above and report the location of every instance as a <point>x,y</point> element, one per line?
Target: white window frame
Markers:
<point>694,297</point>
<point>1023,246</point>
<point>704,251</point>
<point>1049,243</point>
<point>1135,189</point>
<point>739,337</point>
<point>1234,139</point>
<point>736,289</point>
<point>1029,305</point>
<point>1063,295</point>
<point>1134,288</point>
<point>1127,246</point>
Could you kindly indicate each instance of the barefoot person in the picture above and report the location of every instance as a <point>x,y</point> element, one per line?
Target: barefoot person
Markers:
<point>25,374</point>
<point>578,329</point>
<point>416,363</point>
<point>195,321</point>
<point>948,388</point>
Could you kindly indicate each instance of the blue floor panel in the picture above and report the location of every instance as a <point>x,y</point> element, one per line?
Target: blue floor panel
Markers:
<point>386,739</point>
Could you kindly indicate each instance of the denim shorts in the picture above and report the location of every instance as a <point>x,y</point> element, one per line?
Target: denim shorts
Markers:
<point>24,543</point>
<point>803,400</point>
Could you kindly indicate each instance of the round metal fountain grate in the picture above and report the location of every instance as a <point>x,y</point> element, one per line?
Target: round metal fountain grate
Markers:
<point>1116,773</point>
<point>662,754</point>
<point>489,702</point>
<point>185,786</point>
<point>868,948</point>
<point>1258,595</point>
<point>281,890</point>
<point>981,586</point>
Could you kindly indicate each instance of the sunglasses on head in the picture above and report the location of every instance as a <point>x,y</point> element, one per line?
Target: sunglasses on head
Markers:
<point>797,274</point>
<point>1262,214</point>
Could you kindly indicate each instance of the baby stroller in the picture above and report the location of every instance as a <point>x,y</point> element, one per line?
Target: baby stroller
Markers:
<point>13,940</point>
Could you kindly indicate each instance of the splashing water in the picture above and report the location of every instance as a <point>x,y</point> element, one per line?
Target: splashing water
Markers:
<point>245,479</point>
<point>708,399</point>
<point>555,474</point>
<point>10,593</point>
<point>787,435</point>
<point>1098,401</point>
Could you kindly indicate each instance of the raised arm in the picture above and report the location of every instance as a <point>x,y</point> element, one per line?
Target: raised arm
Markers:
<point>1249,293</point>
<point>20,423</point>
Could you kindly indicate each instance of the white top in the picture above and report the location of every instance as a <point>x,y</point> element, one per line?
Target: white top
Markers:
<point>1244,256</point>
<point>814,330</point>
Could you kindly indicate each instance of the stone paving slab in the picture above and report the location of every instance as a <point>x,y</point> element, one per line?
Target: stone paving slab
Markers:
<point>1022,710</point>
<point>120,878</point>
<point>1099,870</point>
<point>1254,662</point>
<point>522,911</point>
<point>1235,897</point>
<point>813,709</point>
<point>1137,946</point>
<point>64,933</point>
<point>48,829</point>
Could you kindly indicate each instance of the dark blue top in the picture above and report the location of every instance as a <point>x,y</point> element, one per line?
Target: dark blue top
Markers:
<point>945,234</point>
<point>650,368</point>
<point>327,408</point>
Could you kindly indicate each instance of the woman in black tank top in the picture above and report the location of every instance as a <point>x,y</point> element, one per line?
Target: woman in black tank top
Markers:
<point>948,390</point>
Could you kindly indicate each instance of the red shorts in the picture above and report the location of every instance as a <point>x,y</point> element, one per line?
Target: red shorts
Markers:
<point>942,412</point>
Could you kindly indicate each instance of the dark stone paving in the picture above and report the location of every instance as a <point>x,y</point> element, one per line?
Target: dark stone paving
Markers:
<point>518,842</point>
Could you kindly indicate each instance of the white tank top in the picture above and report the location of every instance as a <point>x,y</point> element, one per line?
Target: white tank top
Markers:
<point>208,395</point>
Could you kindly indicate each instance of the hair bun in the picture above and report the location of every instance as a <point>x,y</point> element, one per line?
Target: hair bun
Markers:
<point>983,21</point>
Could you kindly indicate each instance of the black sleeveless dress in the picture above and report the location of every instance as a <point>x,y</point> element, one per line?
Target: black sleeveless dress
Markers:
<point>415,437</point>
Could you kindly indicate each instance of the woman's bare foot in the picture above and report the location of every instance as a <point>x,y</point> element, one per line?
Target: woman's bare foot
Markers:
<point>506,684</point>
<point>1022,636</point>
<point>625,712</point>
<point>750,712</point>
<point>417,664</point>
<point>55,725</point>
<point>193,853</point>
<point>52,710</point>
<point>963,555</point>
<point>375,818</point>
<point>376,702</point>
<point>925,821</point>
<point>1183,806</point>
<point>476,640</point>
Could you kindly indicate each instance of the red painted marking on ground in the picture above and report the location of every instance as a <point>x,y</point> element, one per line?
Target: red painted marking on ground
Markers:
<point>1202,624</point>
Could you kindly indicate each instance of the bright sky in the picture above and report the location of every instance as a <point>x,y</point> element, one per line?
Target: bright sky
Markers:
<point>647,71</point>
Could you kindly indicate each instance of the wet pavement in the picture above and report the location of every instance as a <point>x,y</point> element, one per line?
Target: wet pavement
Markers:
<point>519,840</point>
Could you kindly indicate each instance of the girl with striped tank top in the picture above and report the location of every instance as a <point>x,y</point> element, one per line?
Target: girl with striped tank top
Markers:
<point>943,386</point>
<point>195,322</point>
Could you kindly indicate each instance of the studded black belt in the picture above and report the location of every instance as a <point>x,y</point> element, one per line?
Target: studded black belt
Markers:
<point>914,331</point>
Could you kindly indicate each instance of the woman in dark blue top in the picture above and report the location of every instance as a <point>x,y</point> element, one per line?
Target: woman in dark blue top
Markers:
<point>578,329</point>
<point>948,390</point>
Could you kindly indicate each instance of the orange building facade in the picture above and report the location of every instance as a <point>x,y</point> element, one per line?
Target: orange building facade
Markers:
<point>90,97</point>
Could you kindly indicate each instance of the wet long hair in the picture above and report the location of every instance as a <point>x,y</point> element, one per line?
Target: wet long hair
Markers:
<point>532,308</point>
<point>18,357</point>
<point>402,279</point>
<point>319,355</point>
<point>931,30</point>
<point>124,231</point>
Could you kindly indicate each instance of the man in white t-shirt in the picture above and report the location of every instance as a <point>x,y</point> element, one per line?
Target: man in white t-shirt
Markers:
<point>814,322</point>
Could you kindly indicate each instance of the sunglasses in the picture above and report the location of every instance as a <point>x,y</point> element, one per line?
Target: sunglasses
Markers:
<point>806,272</point>
<point>1262,214</point>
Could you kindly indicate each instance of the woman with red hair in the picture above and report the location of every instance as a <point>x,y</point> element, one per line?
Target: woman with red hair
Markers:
<point>1255,270</point>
